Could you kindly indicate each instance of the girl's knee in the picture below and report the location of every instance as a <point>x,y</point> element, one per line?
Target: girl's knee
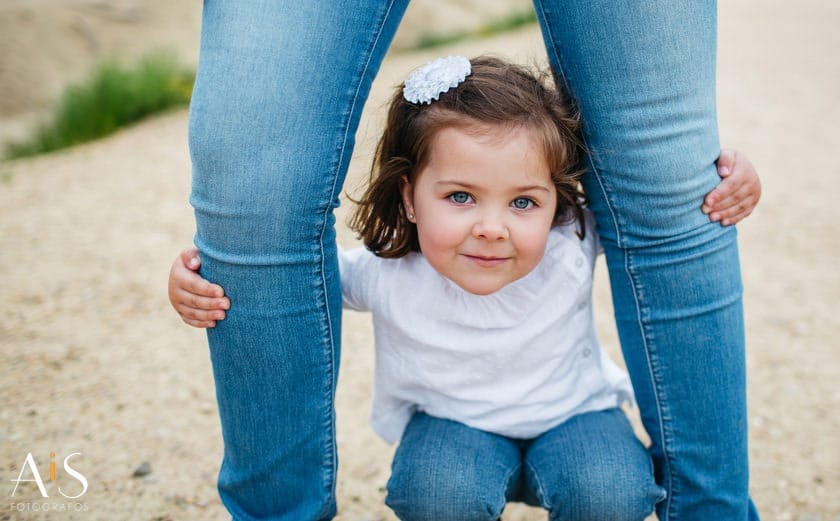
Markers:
<point>417,496</point>
<point>588,494</point>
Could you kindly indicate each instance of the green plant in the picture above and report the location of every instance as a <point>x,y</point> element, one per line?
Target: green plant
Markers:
<point>111,98</point>
<point>512,21</point>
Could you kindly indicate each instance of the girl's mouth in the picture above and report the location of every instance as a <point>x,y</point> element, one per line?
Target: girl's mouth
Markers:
<point>485,261</point>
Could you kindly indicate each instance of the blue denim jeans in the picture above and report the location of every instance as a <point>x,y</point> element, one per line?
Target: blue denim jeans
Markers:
<point>590,468</point>
<point>278,96</point>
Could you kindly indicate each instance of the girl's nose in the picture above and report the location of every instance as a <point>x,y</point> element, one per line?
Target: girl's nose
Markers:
<point>490,228</point>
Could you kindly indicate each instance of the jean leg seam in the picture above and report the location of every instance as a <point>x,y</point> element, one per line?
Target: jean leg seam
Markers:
<point>330,461</point>
<point>515,470</point>
<point>540,488</point>
<point>658,393</point>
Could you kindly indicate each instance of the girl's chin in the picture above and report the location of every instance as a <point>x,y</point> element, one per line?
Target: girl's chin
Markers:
<point>481,288</point>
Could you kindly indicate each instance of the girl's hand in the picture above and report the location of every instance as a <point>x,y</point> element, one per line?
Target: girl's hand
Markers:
<point>199,302</point>
<point>738,194</point>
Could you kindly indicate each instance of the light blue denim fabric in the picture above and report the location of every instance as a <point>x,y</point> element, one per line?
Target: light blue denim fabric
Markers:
<point>278,95</point>
<point>279,91</point>
<point>643,74</point>
<point>589,468</point>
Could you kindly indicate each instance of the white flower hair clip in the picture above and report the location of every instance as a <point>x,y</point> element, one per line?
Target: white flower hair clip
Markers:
<point>436,77</point>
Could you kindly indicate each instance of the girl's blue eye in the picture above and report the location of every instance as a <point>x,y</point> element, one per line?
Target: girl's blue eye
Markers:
<point>522,203</point>
<point>460,197</point>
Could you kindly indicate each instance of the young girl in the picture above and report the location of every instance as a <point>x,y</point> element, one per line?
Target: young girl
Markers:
<point>478,273</point>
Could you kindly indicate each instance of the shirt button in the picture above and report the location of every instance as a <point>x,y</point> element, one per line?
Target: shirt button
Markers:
<point>579,262</point>
<point>587,352</point>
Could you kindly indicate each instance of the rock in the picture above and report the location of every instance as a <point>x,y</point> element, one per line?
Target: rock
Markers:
<point>144,469</point>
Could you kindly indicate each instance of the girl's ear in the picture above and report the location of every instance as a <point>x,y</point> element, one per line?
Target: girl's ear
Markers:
<point>407,192</point>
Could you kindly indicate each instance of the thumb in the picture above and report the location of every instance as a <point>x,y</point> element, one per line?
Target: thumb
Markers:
<point>190,258</point>
<point>726,162</point>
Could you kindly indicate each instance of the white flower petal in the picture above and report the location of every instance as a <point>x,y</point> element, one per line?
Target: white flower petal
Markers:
<point>436,77</point>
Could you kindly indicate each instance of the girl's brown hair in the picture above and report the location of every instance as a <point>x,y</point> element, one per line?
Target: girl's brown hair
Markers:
<point>495,93</point>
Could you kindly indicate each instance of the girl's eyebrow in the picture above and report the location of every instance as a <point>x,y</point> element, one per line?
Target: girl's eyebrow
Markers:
<point>470,186</point>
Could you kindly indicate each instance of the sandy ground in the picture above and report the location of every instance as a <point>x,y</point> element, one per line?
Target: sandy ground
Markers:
<point>92,359</point>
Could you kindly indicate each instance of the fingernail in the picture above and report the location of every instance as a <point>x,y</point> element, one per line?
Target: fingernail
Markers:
<point>193,262</point>
<point>724,170</point>
<point>705,208</point>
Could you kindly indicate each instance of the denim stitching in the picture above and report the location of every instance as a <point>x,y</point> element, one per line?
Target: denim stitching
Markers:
<point>648,338</point>
<point>540,489</point>
<point>513,471</point>
<point>634,284</point>
<point>332,456</point>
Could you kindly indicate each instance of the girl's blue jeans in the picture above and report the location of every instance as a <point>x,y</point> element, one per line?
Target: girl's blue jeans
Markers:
<point>592,467</point>
<point>278,96</point>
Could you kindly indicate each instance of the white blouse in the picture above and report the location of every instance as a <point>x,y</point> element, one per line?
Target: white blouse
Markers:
<point>516,362</point>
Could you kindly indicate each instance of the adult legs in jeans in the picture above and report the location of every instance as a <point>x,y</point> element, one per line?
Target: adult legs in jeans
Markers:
<point>278,95</point>
<point>644,77</point>
<point>277,99</point>
<point>589,468</point>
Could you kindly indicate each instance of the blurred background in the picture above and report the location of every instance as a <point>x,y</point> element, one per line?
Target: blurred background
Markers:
<point>94,183</point>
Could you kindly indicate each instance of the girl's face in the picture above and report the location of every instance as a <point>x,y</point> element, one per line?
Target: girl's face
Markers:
<point>483,205</point>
